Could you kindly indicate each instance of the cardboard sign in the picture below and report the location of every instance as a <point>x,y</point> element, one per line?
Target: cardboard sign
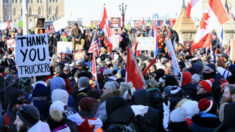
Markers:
<point>32,55</point>
<point>64,47</point>
<point>11,43</point>
<point>146,43</point>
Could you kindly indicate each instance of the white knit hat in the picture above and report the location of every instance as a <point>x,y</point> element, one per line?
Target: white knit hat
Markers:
<point>109,87</point>
<point>191,108</point>
<point>60,95</point>
<point>178,115</point>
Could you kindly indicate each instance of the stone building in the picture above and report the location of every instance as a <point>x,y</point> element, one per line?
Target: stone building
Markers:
<point>49,9</point>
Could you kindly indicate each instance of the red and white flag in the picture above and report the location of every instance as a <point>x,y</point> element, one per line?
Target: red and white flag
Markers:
<point>208,23</point>
<point>218,8</point>
<point>104,24</point>
<point>133,73</point>
<point>190,5</point>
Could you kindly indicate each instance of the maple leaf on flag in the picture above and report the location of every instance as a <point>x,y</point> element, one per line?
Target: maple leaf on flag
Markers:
<point>203,22</point>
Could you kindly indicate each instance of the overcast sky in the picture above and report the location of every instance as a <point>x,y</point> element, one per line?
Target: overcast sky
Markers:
<point>136,9</point>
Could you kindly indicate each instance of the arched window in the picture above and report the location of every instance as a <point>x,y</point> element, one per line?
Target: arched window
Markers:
<point>14,11</point>
<point>16,1</point>
<point>39,11</point>
<point>50,11</point>
<point>12,1</point>
<point>37,1</point>
<point>21,11</point>
<point>30,11</point>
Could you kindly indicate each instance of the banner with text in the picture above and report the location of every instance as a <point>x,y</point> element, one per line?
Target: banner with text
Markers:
<point>64,47</point>
<point>146,43</point>
<point>32,55</point>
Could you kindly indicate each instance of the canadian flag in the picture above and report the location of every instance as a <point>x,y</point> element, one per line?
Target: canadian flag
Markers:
<point>190,5</point>
<point>133,73</point>
<point>211,19</point>
<point>104,24</point>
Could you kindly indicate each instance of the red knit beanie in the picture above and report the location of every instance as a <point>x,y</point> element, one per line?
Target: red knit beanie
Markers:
<point>205,105</point>
<point>207,84</point>
<point>187,78</point>
<point>88,104</point>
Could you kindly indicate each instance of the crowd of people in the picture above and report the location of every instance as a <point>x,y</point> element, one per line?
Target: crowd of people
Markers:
<point>200,99</point>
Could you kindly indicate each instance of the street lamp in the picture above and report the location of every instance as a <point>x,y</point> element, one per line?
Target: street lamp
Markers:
<point>122,8</point>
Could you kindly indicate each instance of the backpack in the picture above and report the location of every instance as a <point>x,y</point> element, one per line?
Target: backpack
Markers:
<point>121,128</point>
<point>63,128</point>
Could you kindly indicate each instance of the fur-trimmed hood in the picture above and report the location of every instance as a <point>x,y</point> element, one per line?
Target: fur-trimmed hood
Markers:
<point>111,94</point>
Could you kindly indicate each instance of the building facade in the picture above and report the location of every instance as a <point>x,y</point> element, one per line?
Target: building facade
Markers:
<point>49,9</point>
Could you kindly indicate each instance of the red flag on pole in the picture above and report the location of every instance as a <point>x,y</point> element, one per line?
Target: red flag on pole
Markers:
<point>150,64</point>
<point>104,24</point>
<point>133,73</point>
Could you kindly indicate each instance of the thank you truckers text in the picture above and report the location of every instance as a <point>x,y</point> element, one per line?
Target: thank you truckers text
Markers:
<point>32,55</point>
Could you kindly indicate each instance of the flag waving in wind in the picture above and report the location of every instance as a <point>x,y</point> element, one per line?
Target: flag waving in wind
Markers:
<point>104,24</point>
<point>211,19</point>
<point>133,73</point>
<point>9,24</point>
<point>190,5</point>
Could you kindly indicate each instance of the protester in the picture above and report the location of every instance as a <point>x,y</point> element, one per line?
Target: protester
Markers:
<point>106,87</point>
<point>28,119</point>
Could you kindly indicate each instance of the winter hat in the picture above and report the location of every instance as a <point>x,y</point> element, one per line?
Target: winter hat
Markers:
<point>187,78</point>
<point>88,104</point>
<point>10,80</point>
<point>205,105</point>
<point>40,90</point>
<point>176,92</point>
<point>127,89</point>
<point>210,68</point>
<point>195,78</point>
<point>114,103</point>
<point>170,80</point>
<point>178,115</point>
<point>207,84</point>
<point>80,62</point>
<point>61,95</point>
<point>29,114</point>
<point>107,71</point>
<point>57,83</point>
<point>83,82</point>
<point>57,110</point>
<point>141,97</point>
<point>110,87</point>
<point>17,97</point>
<point>223,83</point>
<point>191,108</point>
<point>172,90</point>
<point>94,93</point>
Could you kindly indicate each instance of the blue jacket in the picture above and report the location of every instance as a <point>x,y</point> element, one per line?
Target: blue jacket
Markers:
<point>204,122</point>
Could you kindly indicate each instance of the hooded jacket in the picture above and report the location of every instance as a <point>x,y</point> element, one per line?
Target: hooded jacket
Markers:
<point>204,122</point>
